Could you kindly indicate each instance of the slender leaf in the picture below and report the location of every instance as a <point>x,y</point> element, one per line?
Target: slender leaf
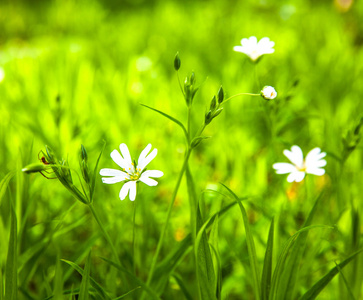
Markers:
<point>58,282</point>
<point>98,288</point>
<point>182,286</point>
<point>11,261</point>
<point>289,274</point>
<point>351,296</point>
<point>315,290</point>
<point>83,290</point>
<point>250,246</point>
<point>95,172</point>
<point>140,282</point>
<point>129,292</point>
<point>267,265</point>
<point>170,118</point>
<point>168,265</point>
<point>203,257</point>
<point>5,182</point>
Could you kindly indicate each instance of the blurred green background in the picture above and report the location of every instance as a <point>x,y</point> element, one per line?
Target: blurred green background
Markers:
<point>75,72</point>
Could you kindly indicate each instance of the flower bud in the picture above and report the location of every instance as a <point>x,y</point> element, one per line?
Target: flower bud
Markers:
<point>34,168</point>
<point>213,103</point>
<point>268,93</point>
<point>84,153</point>
<point>177,62</point>
<point>220,95</point>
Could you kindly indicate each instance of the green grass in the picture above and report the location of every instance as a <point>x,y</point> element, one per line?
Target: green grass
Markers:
<point>88,72</point>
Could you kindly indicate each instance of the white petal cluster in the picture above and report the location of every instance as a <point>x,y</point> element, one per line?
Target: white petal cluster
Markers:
<point>254,49</point>
<point>268,93</point>
<point>129,172</point>
<point>313,164</point>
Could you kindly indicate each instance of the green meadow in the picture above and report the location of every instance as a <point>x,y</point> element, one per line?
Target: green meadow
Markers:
<point>79,78</point>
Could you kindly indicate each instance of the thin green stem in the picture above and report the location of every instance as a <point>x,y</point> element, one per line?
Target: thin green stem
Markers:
<point>240,94</point>
<point>188,123</point>
<point>133,237</point>
<point>177,75</point>
<point>98,220</point>
<point>162,235</point>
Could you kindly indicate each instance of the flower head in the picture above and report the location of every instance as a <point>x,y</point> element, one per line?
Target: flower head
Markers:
<point>254,49</point>
<point>312,164</point>
<point>268,93</point>
<point>130,172</point>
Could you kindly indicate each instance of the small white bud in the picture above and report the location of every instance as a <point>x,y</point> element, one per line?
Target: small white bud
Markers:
<point>268,93</point>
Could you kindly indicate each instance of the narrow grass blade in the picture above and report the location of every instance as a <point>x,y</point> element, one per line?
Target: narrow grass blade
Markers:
<point>351,296</point>
<point>128,293</point>
<point>250,246</point>
<point>182,286</point>
<point>203,257</point>
<point>213,242</point>
<point>205,268</point>
<point>58,281</point>
<point>83,290</point>
<point>95,172</point>
<point>170,118</point>
<point>4,183</point>
<point>290,271</point>
<point>168,265</point>
<point>11,261</point>
<point>315,290</point>
<point>98,288</point>
<point>137,280</point>
<point>267,265</point>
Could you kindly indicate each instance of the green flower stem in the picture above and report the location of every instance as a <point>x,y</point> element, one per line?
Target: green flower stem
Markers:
<point>133,237</point>
<point>240,94</point>
<point>162,235</point>
<point>113,249</point>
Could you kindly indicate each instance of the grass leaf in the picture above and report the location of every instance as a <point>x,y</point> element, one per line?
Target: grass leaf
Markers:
<point>98,288</point>
<point>182,286</point>
<point>11,261</point>
<point>170,118</point>
<point>315,290</point>
<point>5,182</point>
<point>250,246</point>
<point>140,282</point>
<point>83,290</point>
<point>267,265</point>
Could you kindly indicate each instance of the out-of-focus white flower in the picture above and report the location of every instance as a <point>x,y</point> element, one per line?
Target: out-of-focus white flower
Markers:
<point>254,49</point>
<point>2,74</point>
<point>268,93</point>
<point>312,164</point>
<point>130,172</point>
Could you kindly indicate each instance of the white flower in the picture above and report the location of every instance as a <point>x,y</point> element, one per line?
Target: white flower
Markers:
<point>312,164</point>
<point>2,74</point>
<point>129,172</point>
<point>268,93</point>
<point>254,49</point>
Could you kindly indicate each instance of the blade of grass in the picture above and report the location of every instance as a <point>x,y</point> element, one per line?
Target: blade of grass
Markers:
<point>250,246</point>
<point>289,274</point>
<point>137,280</point>
<point>351,296</point>
<point>58,281</point>
<point>315,290</point>
<point>4,183</point>
<point>182,286</point>
<point>129,292</point>
<point>267,265</point>
<point>170,118</point>
<point>98,288</point>
<point>11,261</point>
<point>83,290</point>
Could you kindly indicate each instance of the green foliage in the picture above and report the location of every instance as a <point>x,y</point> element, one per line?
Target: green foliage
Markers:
<point>76,75</point>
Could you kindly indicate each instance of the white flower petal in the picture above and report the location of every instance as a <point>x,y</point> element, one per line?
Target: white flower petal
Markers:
<point>144,153</point>
<point>296,176</point>
<point>112,180</point>
<point>295,156</point>
<point>153,173</point>
<point>117,158</point>
<point>128,186</point>
<point>144,161</point>
<point>283,168</point>
<point>315,171</point>
<point>127,157</point>
<point>313,156</point>
<point>112,172</point>
<point>147,180</point>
